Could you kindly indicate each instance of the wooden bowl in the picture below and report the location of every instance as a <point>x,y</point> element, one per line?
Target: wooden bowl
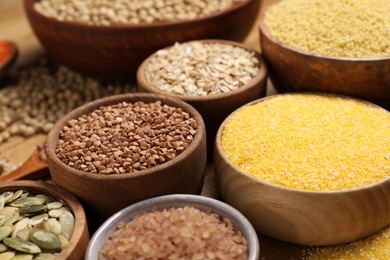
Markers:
<point>7,64</point>
<point>80,238</point>
<point>103,195</point>
<point>293,70</point>
<point>116,51</point>
<point>300,216</point>
<point>169,201</point>
<point>214,108</point>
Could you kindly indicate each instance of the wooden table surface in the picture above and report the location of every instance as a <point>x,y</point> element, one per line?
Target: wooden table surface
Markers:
<point>14,26</point>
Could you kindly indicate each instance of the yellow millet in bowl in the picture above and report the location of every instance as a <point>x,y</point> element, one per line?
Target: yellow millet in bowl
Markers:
<point>310,142</point>
<point>335,28</point>
<point>376,246</point>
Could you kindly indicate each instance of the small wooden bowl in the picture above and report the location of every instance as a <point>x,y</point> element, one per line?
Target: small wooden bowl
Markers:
<point>169,201</point>
<point>116,51</point>
<point>293,70</point>
<point>80,238</point>
<point>7,64</point>
<point>214,108</point>
<point>103,195</point>
<point>299,216</point>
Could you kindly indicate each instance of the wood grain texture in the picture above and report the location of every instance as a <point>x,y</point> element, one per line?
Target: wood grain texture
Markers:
<point>103,195</point>
<point>215,108</point>
<point>80,237</point>
<point>302,217</point>
<point>292,70</point>
<point>116,51</point>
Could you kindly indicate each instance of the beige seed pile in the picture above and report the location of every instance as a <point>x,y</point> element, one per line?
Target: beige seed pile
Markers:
<point>310,142</point>
<point>125,137</point>
<point>199,69</point>
<point>122,12</point>
<point>375,247</point>
<point>176,233</point>
<point>338,28</point>
<point>41,97</point>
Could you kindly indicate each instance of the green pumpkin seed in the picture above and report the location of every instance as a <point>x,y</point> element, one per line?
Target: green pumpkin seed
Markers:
<point>56,213</point>
<point>64,241</point>
<point>22,245</point>
<point>7,255</point>
<point>43,225</point>
<point>22,202</point>
<point>38,219</point>
<point>45,256</point>
<point>48,199</point>
<point>45,239</point>
<point>30,209</point>
<point>5,232</point>
<point>2,220</point>
<point>21,224</point>
<point>14,196</point>
<point>3,248</point>
<point>11,215</point>
<point>26,194</point>
<point>54,205</point>
<point>54,226</point>
<point>23,257</point>
<point>67,224</point>
<point>23,233</point>
<point>2,201</point>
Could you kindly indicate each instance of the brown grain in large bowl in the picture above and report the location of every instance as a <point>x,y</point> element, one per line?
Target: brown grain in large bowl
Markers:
<point>117,51</point>
<point>105,194</point>
<point>214,108</point>
<point>80,237</point>
<point>293,70</point>
<point>302,216</point>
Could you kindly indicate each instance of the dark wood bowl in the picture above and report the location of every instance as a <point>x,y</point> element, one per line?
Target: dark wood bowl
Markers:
<point>103,195</point>
<point>80,238</point>
<point>7,64</point>
<point>293,70</point>
<point>214,108</point>
<point>300,216</point>
<point>116,51</point>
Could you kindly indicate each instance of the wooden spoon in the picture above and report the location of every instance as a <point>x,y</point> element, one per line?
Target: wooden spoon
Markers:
<point>9,61</point>
<point>32,168</point>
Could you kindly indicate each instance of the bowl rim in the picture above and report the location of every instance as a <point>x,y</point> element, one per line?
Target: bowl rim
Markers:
<point>28,4</point>
<point>59,193</point>
<point>218,149</point>
<point>53,135</point>
<point>203,203</point>
<point>260,77</point>
<point>267,34</point>
<point>9,61</point>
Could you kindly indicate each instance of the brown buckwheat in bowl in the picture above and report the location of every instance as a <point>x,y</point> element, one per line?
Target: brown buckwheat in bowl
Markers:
<point>118,150</point>
<point>111,38</point>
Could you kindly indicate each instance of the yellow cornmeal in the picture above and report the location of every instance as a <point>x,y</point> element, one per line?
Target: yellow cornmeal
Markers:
<point>375,247</point>
<point>338,28</point>
<point>310,142</point>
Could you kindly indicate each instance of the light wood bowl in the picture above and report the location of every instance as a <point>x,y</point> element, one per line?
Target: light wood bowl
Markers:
<point>298,216</point>
<point>103,195</point>
<point>7,64</point>
<point>293,70</point>
<point>116,51</point>
<point>214,108</point>
<point>175,200</point>
<point>80,238</point>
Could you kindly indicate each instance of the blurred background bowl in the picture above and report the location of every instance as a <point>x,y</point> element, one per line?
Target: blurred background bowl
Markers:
<point>101,194</point>
<point>301,216</point>
<point>80,237</point>
<point>176,200</point>
<point>214,108</point>
<point>7,63</point>
<point>293,70</point>
<point>114,52</point>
